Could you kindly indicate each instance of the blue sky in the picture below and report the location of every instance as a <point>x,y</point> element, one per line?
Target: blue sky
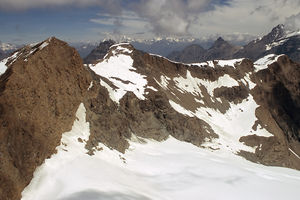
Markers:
<point>24,21</point>
<point>37,24</point>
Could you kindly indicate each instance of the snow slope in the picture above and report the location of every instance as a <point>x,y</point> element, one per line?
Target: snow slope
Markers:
<point>119,70</point>
<point>3,66</point>
<point>3,63</point>
<point>166,170</point>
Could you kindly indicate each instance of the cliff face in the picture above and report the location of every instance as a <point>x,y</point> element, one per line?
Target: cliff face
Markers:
<point>40,93</point>
<point>244,108</point>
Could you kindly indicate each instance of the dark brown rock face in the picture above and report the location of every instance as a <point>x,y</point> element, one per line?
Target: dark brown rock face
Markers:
<point>39,95</point>
<point>278,94</point>
<point>282,93</point>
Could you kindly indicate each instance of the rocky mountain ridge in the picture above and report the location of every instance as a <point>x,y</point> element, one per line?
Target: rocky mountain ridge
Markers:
<point>235,106</point>
<point>278,41</point>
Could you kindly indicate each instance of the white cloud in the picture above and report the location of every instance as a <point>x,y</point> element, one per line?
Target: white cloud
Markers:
<point>171,16</point>
<point>183,17</point>
<point>130,24</point>
<point>255,17</point>
<point>293,22</point>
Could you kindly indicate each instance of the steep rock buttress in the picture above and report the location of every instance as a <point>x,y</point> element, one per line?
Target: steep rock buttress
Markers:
<point>40,92</point>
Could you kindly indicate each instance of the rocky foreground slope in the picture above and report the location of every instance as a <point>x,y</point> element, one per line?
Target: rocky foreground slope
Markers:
<point>54,108</point>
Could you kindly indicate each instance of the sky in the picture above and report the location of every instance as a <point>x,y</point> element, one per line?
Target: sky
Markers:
<point>25,21</point>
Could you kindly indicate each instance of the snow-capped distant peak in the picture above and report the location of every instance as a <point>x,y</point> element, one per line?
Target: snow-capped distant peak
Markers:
<point>280,35</point>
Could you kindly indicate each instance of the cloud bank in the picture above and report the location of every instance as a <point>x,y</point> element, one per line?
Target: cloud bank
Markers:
<point>111,6</point>
<point>181,17</point>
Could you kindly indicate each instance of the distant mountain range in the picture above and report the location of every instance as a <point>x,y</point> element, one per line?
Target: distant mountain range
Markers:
<point>278,41</point>
<point>84,49</point>
<point>6,49</point>
<point>220,49</point>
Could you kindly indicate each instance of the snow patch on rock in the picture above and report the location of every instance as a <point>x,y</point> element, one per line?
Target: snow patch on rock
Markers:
<point>191,84</point>
<point>3,66</point>
<point>119,70</point>
<point>265,61</point>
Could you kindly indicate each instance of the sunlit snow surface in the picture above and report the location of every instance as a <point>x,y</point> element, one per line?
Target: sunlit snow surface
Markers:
<point>3,66</point>
<point>221,63</point>
<point>166,170</point>
<point>263,62</point>
<point>119,70</point>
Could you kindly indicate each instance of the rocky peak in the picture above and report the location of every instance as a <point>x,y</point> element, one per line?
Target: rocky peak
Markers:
<point>190,54</point>
<point>221,49</point>
<point>99,52</point>
<point>30,50</point>
<point>279,41</point>
<point>40,91</point>
<point>276,33</point>
<point>220,42</point>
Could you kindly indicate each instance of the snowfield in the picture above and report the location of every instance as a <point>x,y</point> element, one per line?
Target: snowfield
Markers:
<point>166,170</point>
